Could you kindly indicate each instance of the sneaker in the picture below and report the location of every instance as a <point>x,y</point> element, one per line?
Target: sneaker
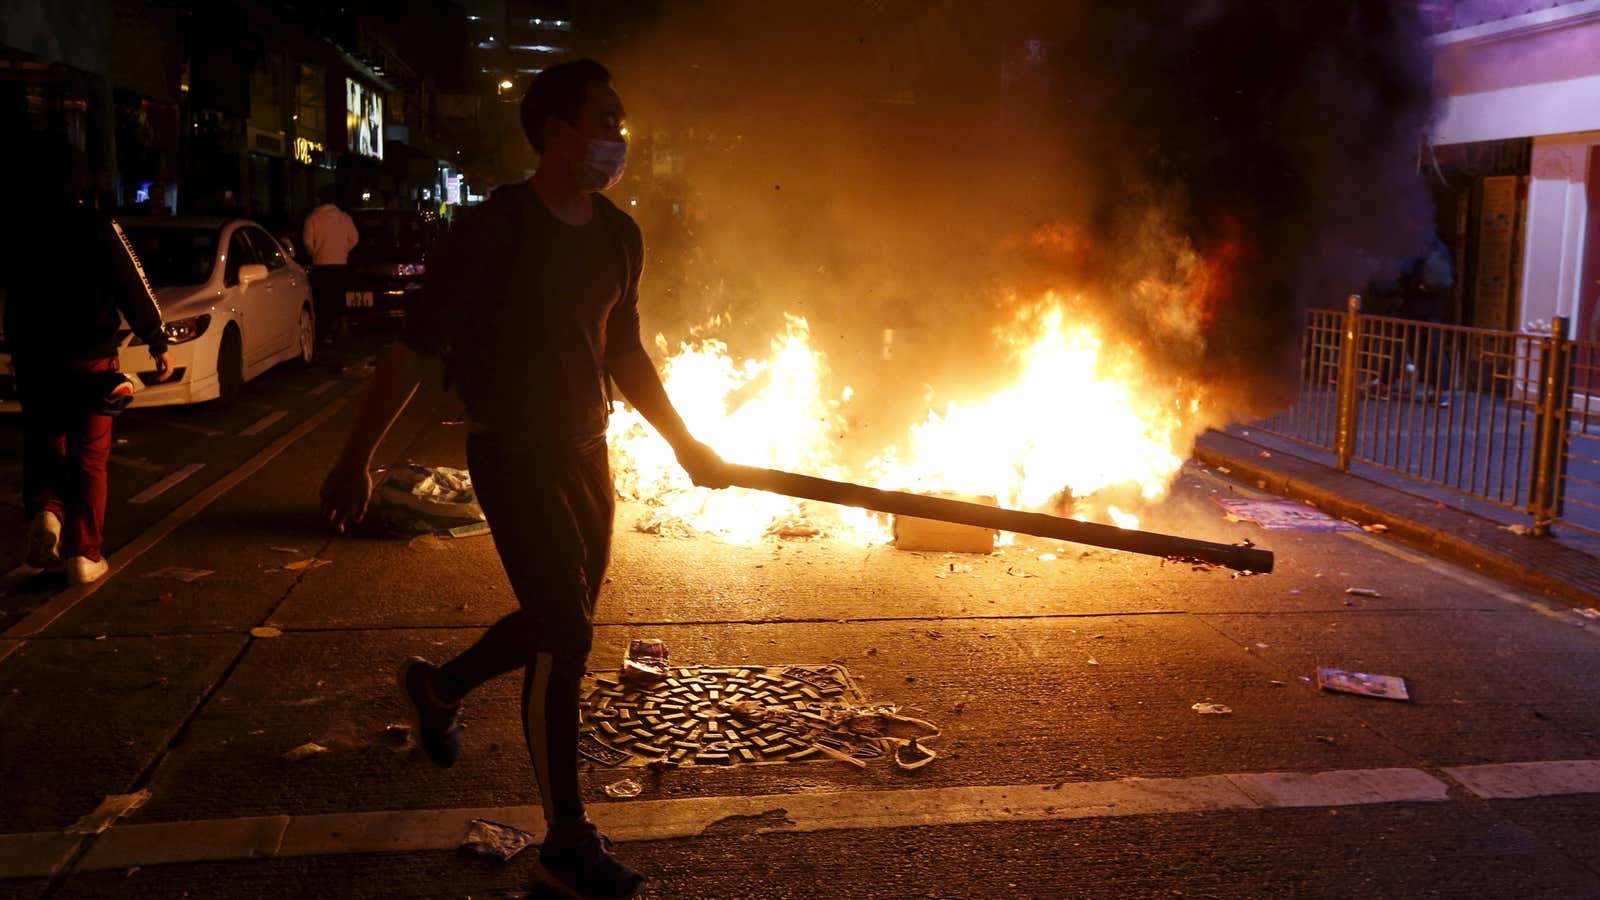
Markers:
<point>44,541</point>
<point>83,570</point>
<point>432,721</point>
<point>581,864</point>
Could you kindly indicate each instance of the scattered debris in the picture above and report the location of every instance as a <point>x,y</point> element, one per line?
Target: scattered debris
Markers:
<point>1362,592</point>
<point>359,371</point>
<point>397,736</point>
<point>494,840</point>
<point>1212,709</point>
<point>1386,687</point>
<point>1265,455</point>
<point>415,499</point>
<point>663,525</point>
<point>306,751</point>
<point>934,635</point>
<point>112,808</point>
<point>1224,470</point>
<point>1375,528</point>
<point>1011,570</point>
<point>957,568</point>
<point>266,631</point>
<point>304,565</point>
<point>624,789</point>
<point>1282,514</point>
<point>1519,530</point>
<point>1276,683</point>
<point>1093,661</point>
<point>291,551</point>
<point>646,661</point>
<point>793,529</point>
<point>1047,557</point>
<point>911,756</point>
<point>179,573</point>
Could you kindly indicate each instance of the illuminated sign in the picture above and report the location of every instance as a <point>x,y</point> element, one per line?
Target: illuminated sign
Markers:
<point>308,151</point>
<point>363,117</point>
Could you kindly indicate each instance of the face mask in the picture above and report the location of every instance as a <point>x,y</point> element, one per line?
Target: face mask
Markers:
<point>603,162</point>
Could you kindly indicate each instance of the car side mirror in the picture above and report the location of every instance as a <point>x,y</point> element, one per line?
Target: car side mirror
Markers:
<point>251,273</point>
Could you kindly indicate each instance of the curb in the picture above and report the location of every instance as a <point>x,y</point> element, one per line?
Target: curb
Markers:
<point>1404,516</point>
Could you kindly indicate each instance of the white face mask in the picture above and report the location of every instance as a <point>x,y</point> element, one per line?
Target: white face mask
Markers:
<point>603,162</point>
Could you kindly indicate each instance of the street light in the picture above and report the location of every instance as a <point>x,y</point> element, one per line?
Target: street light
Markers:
<point>506,85</point>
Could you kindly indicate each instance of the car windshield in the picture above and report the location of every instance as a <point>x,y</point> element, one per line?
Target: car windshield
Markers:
<point>389,236</point>
<point>174,256</point>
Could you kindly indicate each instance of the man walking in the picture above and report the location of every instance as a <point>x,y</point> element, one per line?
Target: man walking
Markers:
<point>329,235</point>
<point>532,300</point>
<point>69,276</point>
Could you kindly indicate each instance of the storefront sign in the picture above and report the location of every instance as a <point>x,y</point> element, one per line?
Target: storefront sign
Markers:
<point>363,115</point>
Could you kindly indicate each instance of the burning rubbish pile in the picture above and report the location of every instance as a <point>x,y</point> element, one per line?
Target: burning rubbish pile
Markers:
<point>1025,251</point>
<point>780,412</point>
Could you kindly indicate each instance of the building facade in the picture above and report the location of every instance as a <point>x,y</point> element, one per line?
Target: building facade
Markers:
<point>1520,127</point>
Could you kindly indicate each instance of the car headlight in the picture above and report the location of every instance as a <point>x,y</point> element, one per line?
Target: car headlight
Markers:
<point>180,331</point>
<point>409,269</point>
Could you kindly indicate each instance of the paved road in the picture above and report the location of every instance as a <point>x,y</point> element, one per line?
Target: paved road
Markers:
<point>1073,763</point>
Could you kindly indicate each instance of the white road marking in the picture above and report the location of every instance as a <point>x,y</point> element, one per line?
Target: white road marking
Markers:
<point>322,388</point>
<point>166,484</point>
<point>41,618</point>
<point>139,464</point>
<point>1476,582</point>
<point>1534,779</point>
<point>265,422</point>
<point>416,830</point>
<point>195,429</point>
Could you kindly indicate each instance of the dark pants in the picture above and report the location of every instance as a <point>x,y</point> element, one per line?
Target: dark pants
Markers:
<point>64,451</point>
<point>550,514</point>
<point>327,295</point>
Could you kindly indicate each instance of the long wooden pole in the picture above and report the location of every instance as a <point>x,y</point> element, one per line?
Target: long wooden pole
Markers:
<point>1247,559</point>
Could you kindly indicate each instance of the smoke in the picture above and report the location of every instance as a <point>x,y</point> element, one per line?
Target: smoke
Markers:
<point>1191,176</point>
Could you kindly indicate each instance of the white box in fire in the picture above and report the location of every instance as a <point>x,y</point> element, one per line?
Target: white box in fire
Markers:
<point>911,533</point>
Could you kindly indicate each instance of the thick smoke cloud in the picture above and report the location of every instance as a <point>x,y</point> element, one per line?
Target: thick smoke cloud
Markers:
<point>1193,175</point>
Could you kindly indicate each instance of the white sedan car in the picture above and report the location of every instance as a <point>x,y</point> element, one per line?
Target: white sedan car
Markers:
<point>234,304</point>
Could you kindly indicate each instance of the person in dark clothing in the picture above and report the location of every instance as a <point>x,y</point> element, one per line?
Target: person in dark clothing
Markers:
<point>69,278</point>
<point>532,300</point>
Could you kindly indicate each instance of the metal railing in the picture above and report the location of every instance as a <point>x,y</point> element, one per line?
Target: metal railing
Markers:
<point>1510,419</point>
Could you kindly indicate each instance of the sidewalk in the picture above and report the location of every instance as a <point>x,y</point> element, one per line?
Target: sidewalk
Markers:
<point>1547,566</point>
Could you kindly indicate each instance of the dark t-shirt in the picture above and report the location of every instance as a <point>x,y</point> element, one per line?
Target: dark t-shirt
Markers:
<point>527,310</point>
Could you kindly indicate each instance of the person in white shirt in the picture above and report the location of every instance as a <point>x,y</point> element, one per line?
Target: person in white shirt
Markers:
<point>329,235</point>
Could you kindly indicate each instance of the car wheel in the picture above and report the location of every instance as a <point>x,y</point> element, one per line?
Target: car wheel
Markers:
<point>230,367</point>
<point>306,334</point>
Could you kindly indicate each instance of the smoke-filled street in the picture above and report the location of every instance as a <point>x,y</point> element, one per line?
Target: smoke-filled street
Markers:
<point>1071,758</point>
<point>605,449</point>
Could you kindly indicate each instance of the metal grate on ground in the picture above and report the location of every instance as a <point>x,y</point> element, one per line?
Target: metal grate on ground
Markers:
<point>699,716</point>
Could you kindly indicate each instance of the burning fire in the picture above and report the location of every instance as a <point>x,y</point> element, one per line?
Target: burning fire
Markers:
<point>1078,431</point>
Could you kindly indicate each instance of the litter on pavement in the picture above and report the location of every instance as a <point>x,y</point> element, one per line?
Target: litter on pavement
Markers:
<point>624,789</point>
<point>306,751</point>
<point>266,631</point>
<point>645,661</point>
<point>494,840</point>
<point>1386,687</point>
<point>1212,709</point>
<point>112,808</point>
<point>302,565</point>
<point>1362,592</point>
<point>179,573</point>
<point>415,499</point>
<point>1281,514</point>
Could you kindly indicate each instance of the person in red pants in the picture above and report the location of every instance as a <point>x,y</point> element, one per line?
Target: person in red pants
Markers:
<point>69,278</point>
